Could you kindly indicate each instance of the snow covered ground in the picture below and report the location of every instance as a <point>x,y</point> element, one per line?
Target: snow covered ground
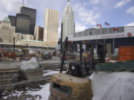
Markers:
<point>41,94</point>
<point>35,94</point>
<point>51,72</point>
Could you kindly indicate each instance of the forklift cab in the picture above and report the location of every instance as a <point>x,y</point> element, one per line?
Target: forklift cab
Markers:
<point>89,56</point>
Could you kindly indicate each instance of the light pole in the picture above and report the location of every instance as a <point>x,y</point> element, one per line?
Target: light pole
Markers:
<point>14,44</point>
<point>114,43</point>
<point>115,30</point>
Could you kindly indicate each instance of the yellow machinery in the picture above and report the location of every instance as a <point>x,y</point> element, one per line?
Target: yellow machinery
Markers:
<point>68,87</point>
<point>73,85</point>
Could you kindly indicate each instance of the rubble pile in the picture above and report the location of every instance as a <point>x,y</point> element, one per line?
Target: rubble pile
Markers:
<point>30,69</point>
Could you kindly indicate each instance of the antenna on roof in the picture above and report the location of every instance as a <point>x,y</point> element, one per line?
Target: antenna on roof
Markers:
<point>23,2</point>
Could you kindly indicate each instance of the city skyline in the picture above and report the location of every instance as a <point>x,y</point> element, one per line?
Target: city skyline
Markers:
<point>43,36</point>
<point>87,13</point>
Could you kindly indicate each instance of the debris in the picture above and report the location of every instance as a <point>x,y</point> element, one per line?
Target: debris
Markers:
<point>8,75</point>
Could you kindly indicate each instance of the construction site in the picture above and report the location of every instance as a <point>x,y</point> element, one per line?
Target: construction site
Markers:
<point>78,60</point>
<point>67,74</point>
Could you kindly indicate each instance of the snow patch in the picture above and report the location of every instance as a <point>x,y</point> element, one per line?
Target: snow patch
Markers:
<point>50,72</point>
<point>14,94</point>
<point>43,93</point>
<point>29,65</point>
<point>113,86</point>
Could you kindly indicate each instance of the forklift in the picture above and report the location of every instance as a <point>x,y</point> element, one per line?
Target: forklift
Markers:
<point>73,85</point>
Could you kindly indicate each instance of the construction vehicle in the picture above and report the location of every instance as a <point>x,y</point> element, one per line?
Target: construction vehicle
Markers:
<point>73,85</point>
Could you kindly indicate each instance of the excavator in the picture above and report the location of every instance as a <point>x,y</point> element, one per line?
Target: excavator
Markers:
<point>73,85</point>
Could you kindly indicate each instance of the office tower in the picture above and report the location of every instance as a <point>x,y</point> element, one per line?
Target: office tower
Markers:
<point>22,24</point>
<point>32,14</point>
<point>51,27</point>
<point>68,21</point>
<point>12,20</point>
<point>39,32</point>
<point>7,32</point>
<point>27,18</point>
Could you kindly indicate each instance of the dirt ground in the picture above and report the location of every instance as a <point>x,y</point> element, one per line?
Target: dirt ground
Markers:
<point>21,94</point>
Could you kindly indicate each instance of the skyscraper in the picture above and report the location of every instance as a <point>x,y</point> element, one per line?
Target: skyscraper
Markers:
<point>32,14</point>
<point>51,27</point>
<point>24,21</point>
<point>68,23</point>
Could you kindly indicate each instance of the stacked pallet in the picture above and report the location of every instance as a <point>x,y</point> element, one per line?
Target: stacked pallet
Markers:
<point>8,75</point>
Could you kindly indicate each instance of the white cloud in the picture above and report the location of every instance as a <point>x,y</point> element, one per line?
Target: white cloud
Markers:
<point>7,7</point>
<point>10,7</point>
<point>131,10</point>
<point>122,3</point>
<point>98,2</point>
<point>85,15</point>
<point>79,27</point>
<point>130,24</point>
<point>94,2</point>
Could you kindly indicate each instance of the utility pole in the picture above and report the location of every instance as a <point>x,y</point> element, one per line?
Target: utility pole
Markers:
<point>61,41</point>
<point>14,44</point>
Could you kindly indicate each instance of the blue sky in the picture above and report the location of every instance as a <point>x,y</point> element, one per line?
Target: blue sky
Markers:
<point>87,13</point>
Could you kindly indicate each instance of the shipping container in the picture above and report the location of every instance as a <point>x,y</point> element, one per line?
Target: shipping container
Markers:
<point>133,53</point>
<point>126,53</point>
<point>125,58</point>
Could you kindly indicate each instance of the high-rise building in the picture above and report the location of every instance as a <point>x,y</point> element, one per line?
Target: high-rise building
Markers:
<point>51,27</point>
<point>22,24</point>
<point>7,32</point>
<point>12,20</point>
<point>24,21</point>
<point>32,14</point>
<point>68,23</point>
<point>39,32</point>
